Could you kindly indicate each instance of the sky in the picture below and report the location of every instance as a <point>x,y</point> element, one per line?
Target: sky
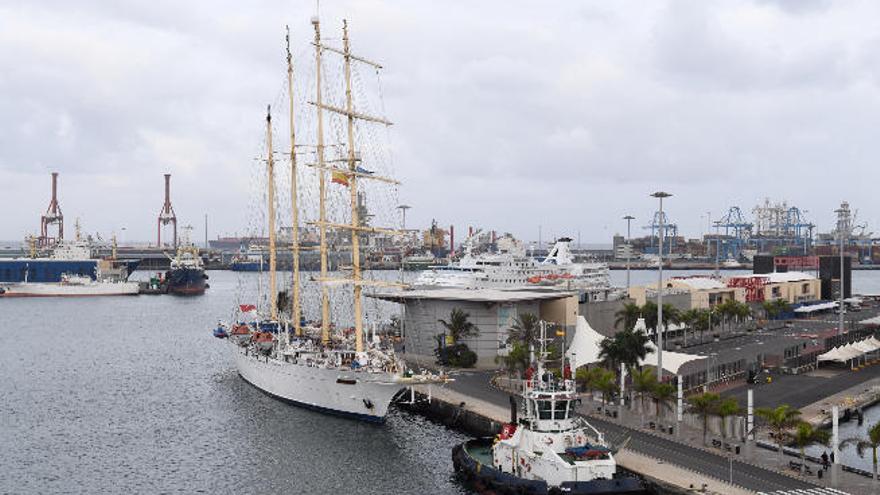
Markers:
<point>508,115</point>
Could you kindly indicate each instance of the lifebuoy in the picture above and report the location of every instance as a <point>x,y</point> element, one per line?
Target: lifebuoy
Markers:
<point>579,439</point>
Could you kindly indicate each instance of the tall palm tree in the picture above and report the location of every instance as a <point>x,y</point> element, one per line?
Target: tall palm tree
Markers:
<point>627,347</point>
<point>872,441</point>
<point>780,420</point>
<point>687,319</point>
<point>459,326</point>
<point>725,408</point>
<point>525,330</point>
<point>704,405</point>
<point>806,434</point>
<point>605,381</point>
<point>643,383</point>
<point>661,395</point>
<point>627,316</point>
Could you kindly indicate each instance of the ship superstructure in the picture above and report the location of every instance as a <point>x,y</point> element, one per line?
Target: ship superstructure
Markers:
<point>513,268</point>
<point>548,448</point>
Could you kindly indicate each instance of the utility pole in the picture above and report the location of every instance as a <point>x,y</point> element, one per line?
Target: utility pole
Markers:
<point>660,195</point>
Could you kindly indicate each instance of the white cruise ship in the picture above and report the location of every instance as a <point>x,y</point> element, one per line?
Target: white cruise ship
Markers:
<point>510,267</point>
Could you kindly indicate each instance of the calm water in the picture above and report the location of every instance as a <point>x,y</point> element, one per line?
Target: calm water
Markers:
<point>133,394</point>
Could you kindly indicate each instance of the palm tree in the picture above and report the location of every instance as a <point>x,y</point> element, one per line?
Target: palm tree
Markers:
<point>605,381</point>
<point>703,321</point>
<point>661,394</point>
<point>779,420</point>
<point>525,329</point>
<point>586,377</point>
<point>627,316</point>
<point>687,319</point>
<point>627,347</point>
<point>459,326</point>
<point>704,405</point>
<point>516,360</point>
<point>727,407</point>
<point>643,383</point>
<point>872,441</point>
<point>806,434</point>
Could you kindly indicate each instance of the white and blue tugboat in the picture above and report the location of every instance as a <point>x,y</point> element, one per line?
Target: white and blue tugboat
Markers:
<point>549,450</point>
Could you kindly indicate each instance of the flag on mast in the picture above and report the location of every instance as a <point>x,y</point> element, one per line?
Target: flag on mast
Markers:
<point>339,178</point>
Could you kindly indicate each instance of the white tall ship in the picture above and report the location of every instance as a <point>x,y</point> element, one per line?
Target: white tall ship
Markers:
<point>511,267</point>
<point>318,365</point>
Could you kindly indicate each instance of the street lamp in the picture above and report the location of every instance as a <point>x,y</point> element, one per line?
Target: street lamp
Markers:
<point>629,219</point>
<point>660,234</point>
<point>403,209</point>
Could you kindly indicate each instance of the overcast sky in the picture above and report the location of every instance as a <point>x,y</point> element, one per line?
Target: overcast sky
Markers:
<point>508,114</point>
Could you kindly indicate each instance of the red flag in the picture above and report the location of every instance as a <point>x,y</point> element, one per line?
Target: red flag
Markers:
<point>247,308</point>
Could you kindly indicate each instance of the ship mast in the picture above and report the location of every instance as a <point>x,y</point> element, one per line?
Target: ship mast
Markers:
<point>294,230</point>
<point>352,186</point>
<point>322,215</point>
<point>270,170</point>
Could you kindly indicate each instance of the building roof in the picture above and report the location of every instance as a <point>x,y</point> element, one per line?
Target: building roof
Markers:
<point>780,277</point>
<point>473,295</point>
<point>701,283</point>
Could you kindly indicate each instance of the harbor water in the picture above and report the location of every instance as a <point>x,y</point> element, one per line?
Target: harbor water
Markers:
<point>134,395</point>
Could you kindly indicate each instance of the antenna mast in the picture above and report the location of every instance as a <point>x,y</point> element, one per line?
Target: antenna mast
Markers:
<point>352,186</point>
<point>294,231</point>
<point>270,171</point>
<point>322,226</point>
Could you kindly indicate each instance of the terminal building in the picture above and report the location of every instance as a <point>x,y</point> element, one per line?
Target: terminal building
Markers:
<point>493,311</point>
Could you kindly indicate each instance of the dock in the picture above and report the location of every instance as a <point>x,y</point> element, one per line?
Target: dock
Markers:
<point>673,463</point>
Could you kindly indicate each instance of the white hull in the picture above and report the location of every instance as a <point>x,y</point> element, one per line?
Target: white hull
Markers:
<point>327,390</point>
<point>64,290</point>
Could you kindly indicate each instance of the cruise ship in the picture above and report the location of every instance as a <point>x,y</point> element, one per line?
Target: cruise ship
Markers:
<point>510,267</point>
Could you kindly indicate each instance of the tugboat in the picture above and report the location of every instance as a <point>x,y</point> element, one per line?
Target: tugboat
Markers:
<point>187,274</point>
<point>548,451</point>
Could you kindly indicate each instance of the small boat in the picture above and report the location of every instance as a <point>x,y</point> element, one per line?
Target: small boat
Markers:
<point>241,334</point>
<point>550,450</point>
<point>220,332</point>
<point>71,286</point>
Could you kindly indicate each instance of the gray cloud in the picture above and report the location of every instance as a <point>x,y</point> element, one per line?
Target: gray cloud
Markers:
<point>506,114</point>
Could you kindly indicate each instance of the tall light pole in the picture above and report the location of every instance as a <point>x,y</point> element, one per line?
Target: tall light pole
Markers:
<point>629,219</point>
<point>403,209</point>
<point>660,234</point>
<point>843,227</point>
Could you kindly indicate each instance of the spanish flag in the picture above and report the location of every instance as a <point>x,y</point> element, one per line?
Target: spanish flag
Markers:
<point>339,178</point>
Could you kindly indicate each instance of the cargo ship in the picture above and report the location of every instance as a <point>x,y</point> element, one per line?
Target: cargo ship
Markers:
<point>187,275</point>
<point>77,257</point>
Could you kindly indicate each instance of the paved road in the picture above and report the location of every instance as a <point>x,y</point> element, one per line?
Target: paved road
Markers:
<point>802,390</point>
<point>476,384</point>
<point>745,475</point>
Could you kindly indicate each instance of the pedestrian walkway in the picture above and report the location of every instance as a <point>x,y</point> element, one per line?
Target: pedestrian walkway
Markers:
<point>754,468</point>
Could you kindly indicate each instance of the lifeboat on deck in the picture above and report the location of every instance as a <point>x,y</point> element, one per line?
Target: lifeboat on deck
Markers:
<point>263,341</point>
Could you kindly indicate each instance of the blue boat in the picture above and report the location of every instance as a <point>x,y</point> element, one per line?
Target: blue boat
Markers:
<point>187,275</point>
<point>248,261</point>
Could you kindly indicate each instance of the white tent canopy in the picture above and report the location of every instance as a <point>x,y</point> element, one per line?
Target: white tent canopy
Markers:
<point>586,343</point>
<point>672,361</point>
<point>853,350</point>
<point>584,347</point>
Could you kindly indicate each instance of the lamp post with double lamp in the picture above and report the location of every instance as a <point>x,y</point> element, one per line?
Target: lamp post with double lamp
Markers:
<point>660,234</point>
<point>629,219</point>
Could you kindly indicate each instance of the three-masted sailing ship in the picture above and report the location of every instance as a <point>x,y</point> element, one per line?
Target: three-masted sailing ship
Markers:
<point>314,364</point>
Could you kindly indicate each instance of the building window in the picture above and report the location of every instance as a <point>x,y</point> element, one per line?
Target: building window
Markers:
<point>805,289</point>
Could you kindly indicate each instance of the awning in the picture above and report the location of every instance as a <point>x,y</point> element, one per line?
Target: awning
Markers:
<point>851,351</point>
<point>586,343</point>
<point>672,361</point>
<point>816,307</point>
<point>584,347</point>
